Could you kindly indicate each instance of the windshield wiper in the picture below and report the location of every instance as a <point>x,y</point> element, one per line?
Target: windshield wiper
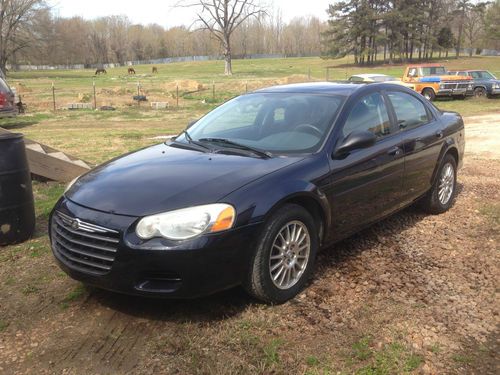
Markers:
<point>191,140</point>
<point>228,142</point>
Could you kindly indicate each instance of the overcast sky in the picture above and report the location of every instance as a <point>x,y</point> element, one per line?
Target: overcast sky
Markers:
<point>162,12</point>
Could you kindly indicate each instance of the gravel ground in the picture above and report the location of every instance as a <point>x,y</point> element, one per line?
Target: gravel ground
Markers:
<point>412,294</point>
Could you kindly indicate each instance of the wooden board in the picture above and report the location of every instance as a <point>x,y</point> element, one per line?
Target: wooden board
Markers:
<point>59,166</point>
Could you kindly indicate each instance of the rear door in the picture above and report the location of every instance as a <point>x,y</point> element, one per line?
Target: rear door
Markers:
<point>422,139</point>
<point>367,184</point>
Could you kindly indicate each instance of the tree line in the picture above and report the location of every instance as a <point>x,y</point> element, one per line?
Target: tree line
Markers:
<point>405,30</point>
<point>42,38</point>
<point>370,30</point>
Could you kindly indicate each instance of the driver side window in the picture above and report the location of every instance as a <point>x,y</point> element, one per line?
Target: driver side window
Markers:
<point>369,114</point>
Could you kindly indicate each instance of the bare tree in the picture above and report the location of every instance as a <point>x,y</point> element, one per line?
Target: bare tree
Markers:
<point>16,21</point>
<point>222,17</point>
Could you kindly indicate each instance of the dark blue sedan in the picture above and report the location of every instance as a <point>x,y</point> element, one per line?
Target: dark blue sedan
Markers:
<point>250,192</point>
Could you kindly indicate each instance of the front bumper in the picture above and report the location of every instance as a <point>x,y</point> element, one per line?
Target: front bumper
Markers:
<point>454,92</point>
<point>184,269</point>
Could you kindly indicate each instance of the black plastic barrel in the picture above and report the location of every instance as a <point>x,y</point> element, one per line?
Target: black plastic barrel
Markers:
<point>17,212</point>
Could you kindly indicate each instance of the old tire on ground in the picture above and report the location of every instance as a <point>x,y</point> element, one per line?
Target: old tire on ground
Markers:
<point>479,92</point>
<point>429,94</point>
<point>285,255</point>
<point>442,194</point>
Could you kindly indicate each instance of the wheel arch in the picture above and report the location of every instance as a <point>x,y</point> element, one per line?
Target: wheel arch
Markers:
<point>316,204</point>
<point>427,88</point>
<point>452,150</point>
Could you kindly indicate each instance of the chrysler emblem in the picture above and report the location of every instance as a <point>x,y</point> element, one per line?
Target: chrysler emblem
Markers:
<point>75,225</point>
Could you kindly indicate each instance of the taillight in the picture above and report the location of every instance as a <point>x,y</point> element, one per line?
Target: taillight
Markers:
<point>3,100</point>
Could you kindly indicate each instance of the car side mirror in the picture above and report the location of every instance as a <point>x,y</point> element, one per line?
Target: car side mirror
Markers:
<point>354,141</point>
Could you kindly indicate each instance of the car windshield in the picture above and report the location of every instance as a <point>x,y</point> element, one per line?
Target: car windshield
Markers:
<point>433,71</point>
<point>279,123</point>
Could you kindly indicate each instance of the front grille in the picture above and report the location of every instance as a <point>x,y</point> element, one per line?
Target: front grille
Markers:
<point>84,246</point>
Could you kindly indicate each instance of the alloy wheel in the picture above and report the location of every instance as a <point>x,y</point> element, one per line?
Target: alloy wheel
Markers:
<point>446,184</point>
<point>289,254</point>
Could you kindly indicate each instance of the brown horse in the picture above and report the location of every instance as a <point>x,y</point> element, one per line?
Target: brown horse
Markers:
<point>100,70</point>
<point>131,71</point>
<point>155,70</point>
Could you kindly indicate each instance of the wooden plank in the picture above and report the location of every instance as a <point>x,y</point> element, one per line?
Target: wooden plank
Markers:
<point>59,166</point>
<point>53,168</point>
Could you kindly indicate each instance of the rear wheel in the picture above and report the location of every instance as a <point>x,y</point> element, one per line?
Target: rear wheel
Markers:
<point>442,194</point>
<point>429,94</point>
<point>285,255</point>
<point>479,92</point>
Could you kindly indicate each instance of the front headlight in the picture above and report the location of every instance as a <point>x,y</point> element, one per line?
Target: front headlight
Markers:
<point>71,184</point>
<point>187,222</point>
<point>441,86</point>
<point>469,87</point>
<point>496,85</point>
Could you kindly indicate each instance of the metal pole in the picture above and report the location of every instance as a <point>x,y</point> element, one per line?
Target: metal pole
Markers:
<point>138,93</point>
<point>54,96</point>
<point>246,86</point>
<point>95,98</point>
<point>213,90</point>
<point>309,74</point>
<point>177,95</point>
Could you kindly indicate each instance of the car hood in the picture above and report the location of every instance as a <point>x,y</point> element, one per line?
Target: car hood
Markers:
<point>163,178</point>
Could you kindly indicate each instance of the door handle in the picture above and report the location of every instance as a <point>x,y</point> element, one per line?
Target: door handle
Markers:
<point>439,134</point>
<point>395,151</point>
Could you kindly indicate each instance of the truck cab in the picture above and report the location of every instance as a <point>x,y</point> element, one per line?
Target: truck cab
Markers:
<point>432,80</point>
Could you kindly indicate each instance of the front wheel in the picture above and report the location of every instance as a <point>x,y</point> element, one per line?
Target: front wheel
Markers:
<point>284,259</point>
<point>479,92</point>
<point>440,198</point>
<point>429,94</point>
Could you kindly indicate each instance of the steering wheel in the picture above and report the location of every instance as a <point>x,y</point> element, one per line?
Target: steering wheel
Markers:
<point>309,128</point>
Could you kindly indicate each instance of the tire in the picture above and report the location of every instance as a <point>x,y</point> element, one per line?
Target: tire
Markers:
<point>479,92</point>
<point>437,201</point>
<point>429,94</point>
<point>259,282</point>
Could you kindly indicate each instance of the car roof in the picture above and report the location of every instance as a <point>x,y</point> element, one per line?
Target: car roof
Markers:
<point>337,88</point>
<point>370,75</point>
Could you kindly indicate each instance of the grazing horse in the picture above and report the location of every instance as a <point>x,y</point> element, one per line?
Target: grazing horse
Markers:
<point>131,71</point>
<point>100,70</point>
<point>155,70</point>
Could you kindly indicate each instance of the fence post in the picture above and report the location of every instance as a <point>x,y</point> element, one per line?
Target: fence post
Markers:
<point>309,74</point>
<point>246,86</point>
<point>177,95</point>
<point>213,90</point>
<point>138,93</point>
<point>95,98</point>
<point>54,96</point>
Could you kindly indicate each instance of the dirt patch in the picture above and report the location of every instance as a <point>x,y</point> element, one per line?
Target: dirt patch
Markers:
<point>184,85</point>
<point>483,135</point>
<point>294,78</point>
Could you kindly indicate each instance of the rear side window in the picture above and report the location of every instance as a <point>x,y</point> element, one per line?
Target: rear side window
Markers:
<point>370,114</point>
<point>410,111</point>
